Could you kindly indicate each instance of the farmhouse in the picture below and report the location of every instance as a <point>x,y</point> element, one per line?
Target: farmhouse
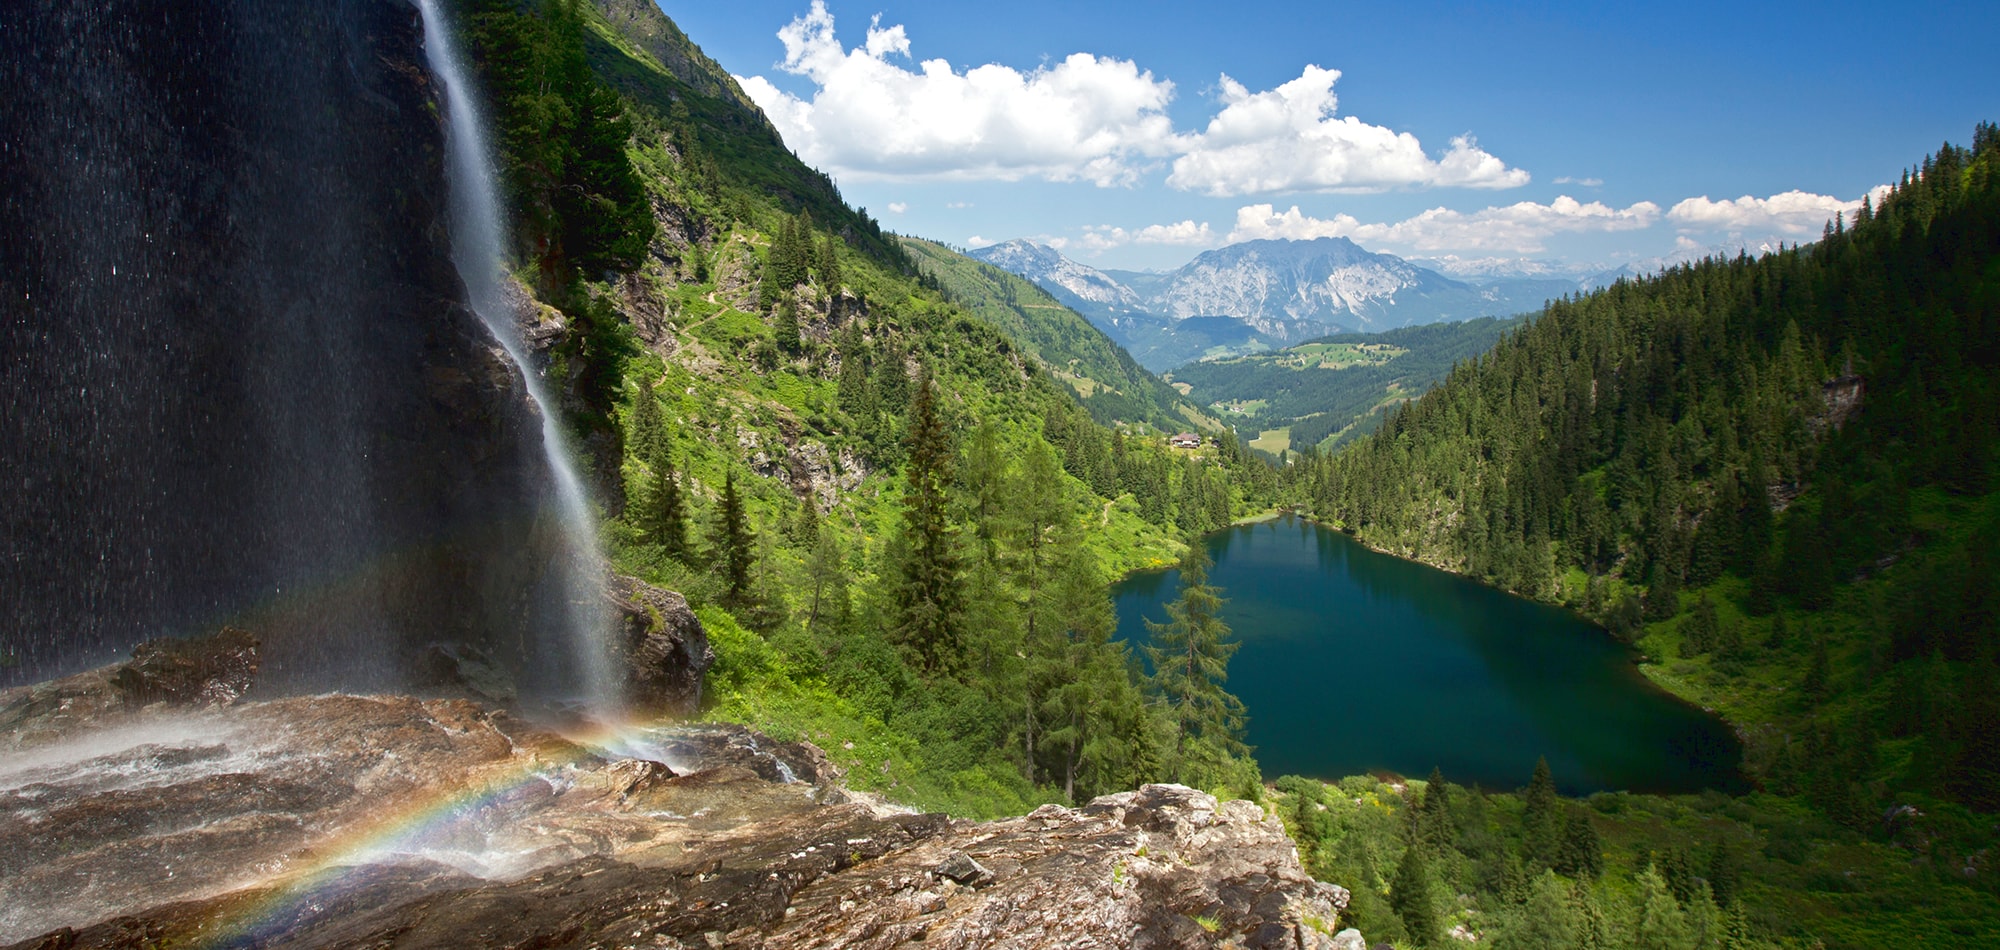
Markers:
<point>1187,440</point>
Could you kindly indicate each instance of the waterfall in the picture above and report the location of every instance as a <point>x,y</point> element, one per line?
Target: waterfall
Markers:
<point>476,250</point>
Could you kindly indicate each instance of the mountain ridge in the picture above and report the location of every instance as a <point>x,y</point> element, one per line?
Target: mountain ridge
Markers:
<point>1255,296</point>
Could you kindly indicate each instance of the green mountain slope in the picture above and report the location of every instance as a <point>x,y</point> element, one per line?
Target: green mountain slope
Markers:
<point>1114,387</point>
<point>894,510</point>
<point>1777,476</point>
<point>1323,393</point>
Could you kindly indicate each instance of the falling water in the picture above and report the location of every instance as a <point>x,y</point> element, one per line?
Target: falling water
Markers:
<point>476,249</point>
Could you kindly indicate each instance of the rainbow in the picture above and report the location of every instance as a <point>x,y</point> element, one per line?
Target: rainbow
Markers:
<point>249,916</point>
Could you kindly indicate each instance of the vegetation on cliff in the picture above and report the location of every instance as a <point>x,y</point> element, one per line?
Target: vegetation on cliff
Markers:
<point>894,506</point>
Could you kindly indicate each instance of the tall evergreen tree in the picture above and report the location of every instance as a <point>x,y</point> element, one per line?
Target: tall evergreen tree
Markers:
<point>1190,656</point>
<point>731,546</point>
<point>930,591</point>
<point>1435,825</point>
<point>1413,894</point>
<point>645,428</point>
<point>1542,819</point>
<point>1581,854</point>
<point>666,509</point>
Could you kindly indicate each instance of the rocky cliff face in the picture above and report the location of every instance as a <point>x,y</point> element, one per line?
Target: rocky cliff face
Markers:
<point>388,821</point>
<point>240,376</point>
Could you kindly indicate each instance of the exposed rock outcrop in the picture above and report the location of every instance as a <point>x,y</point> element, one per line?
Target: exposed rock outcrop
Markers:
<point>664,647</point>
<point>387,821</point>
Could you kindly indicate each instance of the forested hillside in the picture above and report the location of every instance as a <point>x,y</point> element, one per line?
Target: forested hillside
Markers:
<point>1764,468</point>
<point>894,506</point>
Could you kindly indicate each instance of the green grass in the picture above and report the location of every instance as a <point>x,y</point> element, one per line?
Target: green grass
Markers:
<point>1274,441</point>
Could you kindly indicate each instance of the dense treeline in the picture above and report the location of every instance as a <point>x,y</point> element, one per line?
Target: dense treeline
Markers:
<point>1783,464</point>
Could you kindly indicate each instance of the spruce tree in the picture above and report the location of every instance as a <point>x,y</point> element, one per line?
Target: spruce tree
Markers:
<point>828,266</point>
<point>930,590</point>
<point>666,509</point>
<point>1413,895</point>
<point>731,546</point>
<point>1190,656</point>
<point>1435,824</point>
<point>1541,820</point>
<point>1581,854</point>
<point>787,327</point>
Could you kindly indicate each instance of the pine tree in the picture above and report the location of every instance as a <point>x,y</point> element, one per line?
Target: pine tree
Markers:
<point>1413,895</point>
<point>1541,820</point>
<point>829,265</point>
<point>666,510</point>
<point>645,427</point>
<point>804,529</point>
<point>786,328</point>
<point>731,547</point>
<point>1581,854</point>
<point>1435,824</point>
<point>1190,656</point>
<point>930,593</point>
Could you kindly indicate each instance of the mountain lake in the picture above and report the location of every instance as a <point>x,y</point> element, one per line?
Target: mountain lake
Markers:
<point>1354,661</point>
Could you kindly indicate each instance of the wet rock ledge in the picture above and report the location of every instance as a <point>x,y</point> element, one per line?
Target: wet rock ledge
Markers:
<point>132,817</point>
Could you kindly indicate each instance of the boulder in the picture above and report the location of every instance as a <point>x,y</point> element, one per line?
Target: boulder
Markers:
<point>664,648</point>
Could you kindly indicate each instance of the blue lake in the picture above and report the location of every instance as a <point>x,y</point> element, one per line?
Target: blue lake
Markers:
<point>1354,661</point>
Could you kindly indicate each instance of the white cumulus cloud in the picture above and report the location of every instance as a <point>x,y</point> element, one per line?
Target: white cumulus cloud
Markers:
<point>1790,214</point>
<point>1288,140</point>
<point>898,207</point>
<point>1085,117</point>
<point>1517,228</point>
<point>876,113</point>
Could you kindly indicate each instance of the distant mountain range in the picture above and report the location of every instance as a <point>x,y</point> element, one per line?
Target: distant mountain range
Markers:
<point>1263,295</point>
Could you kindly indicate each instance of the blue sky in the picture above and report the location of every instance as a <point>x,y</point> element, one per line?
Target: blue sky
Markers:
<point>1578,133</point>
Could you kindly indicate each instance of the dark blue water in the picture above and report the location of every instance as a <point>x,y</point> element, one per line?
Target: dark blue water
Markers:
<point>1354,661</point>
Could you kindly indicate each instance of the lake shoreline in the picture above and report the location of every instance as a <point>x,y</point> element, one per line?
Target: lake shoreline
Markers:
<point>1397,632</point>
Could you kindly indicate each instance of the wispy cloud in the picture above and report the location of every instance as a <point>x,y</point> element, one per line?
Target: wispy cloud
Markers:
<point>1580,182</point>
<point>1520,228</point>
